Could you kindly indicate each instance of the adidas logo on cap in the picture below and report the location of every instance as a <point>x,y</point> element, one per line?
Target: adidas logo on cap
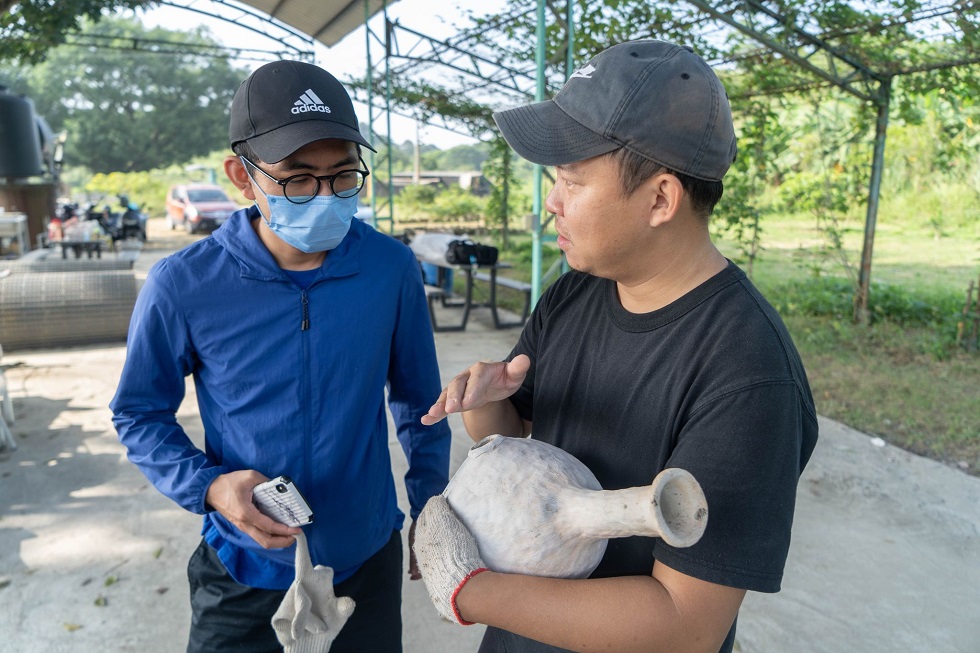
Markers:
<point>309,101</point>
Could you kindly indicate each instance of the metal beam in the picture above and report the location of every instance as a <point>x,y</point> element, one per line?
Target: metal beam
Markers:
<point>157,46</point>
<point>814,40</point>
<point>787,52</point>
<point>462,60</point>
<point>536,179</point>
<point>388,214</point>
<point>298,44</point>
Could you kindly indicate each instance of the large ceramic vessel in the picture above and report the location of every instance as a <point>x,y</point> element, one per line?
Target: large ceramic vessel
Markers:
<point>535,509</point>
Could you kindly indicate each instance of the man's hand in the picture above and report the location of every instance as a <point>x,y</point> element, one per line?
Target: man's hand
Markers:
<point>448,556</point>
<point>231,495</point>
<point>479,385</point>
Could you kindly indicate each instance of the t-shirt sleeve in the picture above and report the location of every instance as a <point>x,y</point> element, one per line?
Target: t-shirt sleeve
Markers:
<point>744,448</point>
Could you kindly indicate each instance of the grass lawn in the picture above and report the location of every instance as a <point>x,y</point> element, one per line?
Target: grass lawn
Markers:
<point>876,381</point>
<point>906,383</point>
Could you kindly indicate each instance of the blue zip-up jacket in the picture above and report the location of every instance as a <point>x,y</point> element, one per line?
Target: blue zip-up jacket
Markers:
<point>289,381</point>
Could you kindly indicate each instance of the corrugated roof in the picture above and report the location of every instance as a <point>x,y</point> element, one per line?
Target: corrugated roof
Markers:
<point>325,20</point>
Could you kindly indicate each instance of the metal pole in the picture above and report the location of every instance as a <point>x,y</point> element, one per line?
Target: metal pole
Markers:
<point>370,104</point>
<point>861,314</point>
<point>570,46</point>
<point>569,69</point>
<point>391,178</point>
<point>538,203</point>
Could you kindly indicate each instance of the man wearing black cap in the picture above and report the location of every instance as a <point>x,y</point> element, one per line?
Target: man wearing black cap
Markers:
<point>294,320</point>
<point>654,352</point>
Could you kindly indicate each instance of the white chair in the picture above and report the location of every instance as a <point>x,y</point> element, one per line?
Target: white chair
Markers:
<point>6,413</point>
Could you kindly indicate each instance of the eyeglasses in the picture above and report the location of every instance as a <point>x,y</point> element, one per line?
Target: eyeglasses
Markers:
<point>300,189</point>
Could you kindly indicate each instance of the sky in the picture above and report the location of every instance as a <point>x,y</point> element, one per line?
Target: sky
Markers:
<point>347,58</point>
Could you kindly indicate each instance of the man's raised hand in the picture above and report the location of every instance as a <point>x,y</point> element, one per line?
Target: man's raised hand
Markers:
<point>477,386</point>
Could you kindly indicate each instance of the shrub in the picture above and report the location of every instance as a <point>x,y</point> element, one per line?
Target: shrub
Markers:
<point>833,297</point>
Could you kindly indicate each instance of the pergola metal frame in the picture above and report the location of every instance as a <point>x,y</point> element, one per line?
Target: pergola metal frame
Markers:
<point>815,55</point>
<point>295,43</point>
<point>845,70</point>
<point>821,58</point>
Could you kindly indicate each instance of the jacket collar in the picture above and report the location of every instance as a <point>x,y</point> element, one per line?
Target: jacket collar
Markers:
<point>239,239</point>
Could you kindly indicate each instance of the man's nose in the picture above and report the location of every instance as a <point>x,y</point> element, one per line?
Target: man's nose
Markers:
<point>551,202</point>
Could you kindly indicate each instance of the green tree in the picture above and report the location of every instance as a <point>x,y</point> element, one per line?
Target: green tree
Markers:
<point>29,28</point>
<point>416,202</point>
<point>454,203</point>
<point>126,111</point>
<point>401,160</point>
<point>504,200</point>
<point>464,157</point>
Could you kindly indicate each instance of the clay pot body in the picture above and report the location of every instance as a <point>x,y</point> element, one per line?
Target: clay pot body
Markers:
<point>535,509</point>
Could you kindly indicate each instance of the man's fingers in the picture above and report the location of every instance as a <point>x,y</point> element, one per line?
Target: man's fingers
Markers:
<point>437,411</point>
<point>517,368</point>
<point>265,530</point>
<point>429,419</point>
<point>480,384</point>
<point>494,381</point>
<point>456,389</point>
<point>267,541</point>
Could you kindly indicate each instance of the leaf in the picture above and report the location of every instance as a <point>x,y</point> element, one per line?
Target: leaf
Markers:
<point>110,580</point>
<point>72,627</point>
<point>101,601</point>
<point>156,554</point>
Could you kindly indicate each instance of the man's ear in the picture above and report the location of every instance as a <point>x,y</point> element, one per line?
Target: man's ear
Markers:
<point>236,172</point>
<point>665,194</point>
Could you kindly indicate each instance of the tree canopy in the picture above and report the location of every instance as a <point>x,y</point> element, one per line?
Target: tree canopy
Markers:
<point>132,110</point>
<point>29,28</point>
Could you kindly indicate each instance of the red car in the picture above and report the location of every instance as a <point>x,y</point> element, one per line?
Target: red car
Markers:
<point>198,207</point>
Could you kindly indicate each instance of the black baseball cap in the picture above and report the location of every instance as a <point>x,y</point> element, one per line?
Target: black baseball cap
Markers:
<point>657,99</point>
<point>285,105</point>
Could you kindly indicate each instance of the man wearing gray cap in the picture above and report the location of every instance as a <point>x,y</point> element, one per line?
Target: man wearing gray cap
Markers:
<point>296,321</point>
<point>655,351</point>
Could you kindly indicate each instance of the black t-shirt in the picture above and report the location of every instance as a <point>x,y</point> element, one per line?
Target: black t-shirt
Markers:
<point>711,383</point>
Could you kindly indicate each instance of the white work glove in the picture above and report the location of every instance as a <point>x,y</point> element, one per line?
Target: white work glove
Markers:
<point>310,616</point>
<point>447,555</point>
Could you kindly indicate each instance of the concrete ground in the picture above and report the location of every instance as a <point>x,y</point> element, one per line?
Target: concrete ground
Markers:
<point>885,554</point>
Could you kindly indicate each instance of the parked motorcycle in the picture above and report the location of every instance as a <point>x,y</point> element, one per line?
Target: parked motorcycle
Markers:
<point>133,221</point>
<point>130,223</point>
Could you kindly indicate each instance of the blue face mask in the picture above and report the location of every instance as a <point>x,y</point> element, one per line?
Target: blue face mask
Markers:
<point>319,225</point>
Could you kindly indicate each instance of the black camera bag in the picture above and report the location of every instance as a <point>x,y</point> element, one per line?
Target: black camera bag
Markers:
<point>466,252</point>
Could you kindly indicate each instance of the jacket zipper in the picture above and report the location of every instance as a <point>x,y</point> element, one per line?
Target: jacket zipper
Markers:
<point>306,312</point>
<point>307,390</point>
